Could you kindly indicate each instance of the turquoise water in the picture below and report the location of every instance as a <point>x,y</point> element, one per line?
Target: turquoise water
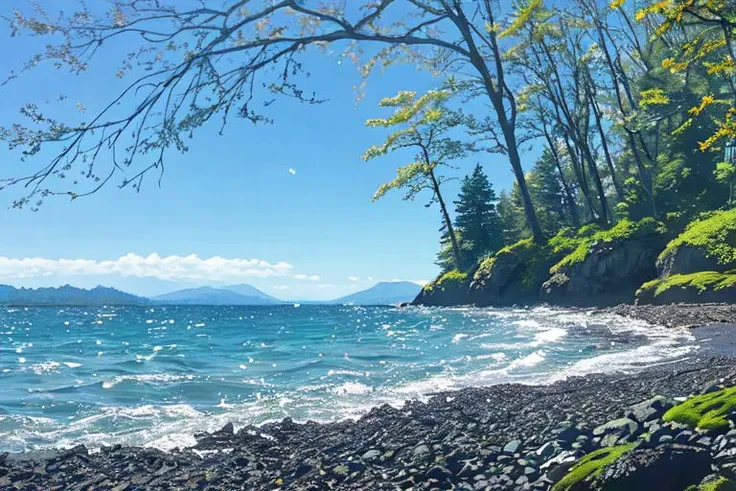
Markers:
<point>156,376</point>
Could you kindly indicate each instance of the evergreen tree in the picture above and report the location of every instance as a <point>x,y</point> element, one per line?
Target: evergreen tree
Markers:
<point>548,195</point>
<point>477,217</point>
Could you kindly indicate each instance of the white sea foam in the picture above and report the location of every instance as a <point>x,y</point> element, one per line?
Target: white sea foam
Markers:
<point>491,346</point>
<point>458,337</point>
<point>352,388</point>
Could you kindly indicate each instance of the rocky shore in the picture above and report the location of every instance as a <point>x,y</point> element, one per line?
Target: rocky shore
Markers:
<point>493,438</point>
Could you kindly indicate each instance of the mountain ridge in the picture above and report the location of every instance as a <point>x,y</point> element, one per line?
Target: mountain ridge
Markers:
<point>207,295</point>
<point>68,295</point>
<point>382,293</point>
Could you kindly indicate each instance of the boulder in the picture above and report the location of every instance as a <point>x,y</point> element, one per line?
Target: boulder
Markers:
<point>610,273</point>
<point>701,287</point>
<point>620,427</point>
<point>707,244</point>
<point>449,289</point>
<point>662,468</point>
<point>685,259</point>
<point>650,409</point>
<point>515,274</point>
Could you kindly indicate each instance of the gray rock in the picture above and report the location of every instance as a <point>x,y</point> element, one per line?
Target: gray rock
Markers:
<point>621,427</point>
<point>546,451</point>
<point>568,434</point>
<point>661,468</point>
<point>512,447</point>
<point>650,409</point>
<point>371,455</point>
<point>438,472</point>
<point>421,452</point>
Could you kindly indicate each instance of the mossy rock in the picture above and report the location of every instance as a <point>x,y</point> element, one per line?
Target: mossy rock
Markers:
<point>606,266</point>
<point>715,484</point>
<point>707,412</point>
<point>591,466</point>
<point>701,287</point>
<point>450,288</point>
<point>707,244</point>
<point>516,273</point>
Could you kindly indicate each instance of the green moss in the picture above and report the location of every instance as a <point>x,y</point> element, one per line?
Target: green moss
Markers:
<point>535,257</point>
<point>715,235</point>
<point>449,279</point>
<point>516,248</point>
<point>592,465</point>
<point>720,484</point>
<point>623,230</point>
<point>702,281</point>
<point>706,411</point>
<point>484,269</point>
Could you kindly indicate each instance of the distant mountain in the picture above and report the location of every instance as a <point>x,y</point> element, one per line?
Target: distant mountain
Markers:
<point>385,293</point>
<point>251,291</point>
<point>217,296</point>
<point>67,295</point>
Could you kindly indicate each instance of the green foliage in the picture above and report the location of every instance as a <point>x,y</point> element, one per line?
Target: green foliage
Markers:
<point>725,173</point>
<point>622,231</point>
<point>477,221</point>
<point>592,465</point>
<point>535,257</point>
<point>485,267</point>
<point>714,234</point>
<point>701,281</point>
<point>424,122</point>
<point>546,190</point>
<point>706,411</point>
<point>450,279</point>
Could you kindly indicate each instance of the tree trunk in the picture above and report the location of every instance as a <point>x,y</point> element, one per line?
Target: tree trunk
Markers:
<point>446,218</point>
<point>498,92</point>
<point>609,161</point>
<point>569,199</point>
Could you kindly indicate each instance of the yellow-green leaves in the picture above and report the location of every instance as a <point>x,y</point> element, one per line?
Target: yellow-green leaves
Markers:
<point>653,97</point>
<point>524,14</point>
<point>404,176</point>
<point>408,107</point>
<point>383,149</point>
<point>616,4</point>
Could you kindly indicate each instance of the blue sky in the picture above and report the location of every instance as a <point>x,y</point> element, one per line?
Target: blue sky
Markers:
<point>312,232</point>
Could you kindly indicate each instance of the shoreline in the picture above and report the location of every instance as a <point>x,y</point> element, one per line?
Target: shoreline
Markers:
<point>449,440</point>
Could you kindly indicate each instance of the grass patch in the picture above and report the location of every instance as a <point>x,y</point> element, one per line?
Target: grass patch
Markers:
<point>623,230</point>
<point>702,281</point>
<point>714,235</point>
<point>452,278</point>
<point>592,465</point>
<point>706,411</point>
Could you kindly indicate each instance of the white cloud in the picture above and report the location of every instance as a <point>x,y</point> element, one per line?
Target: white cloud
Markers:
<point>172,268</point>
<point>292,172</point>
<point>312,277</point>
<point>420,282</point>
<point>353,278</point>
<point>370,278</point>
<point>282,287</point>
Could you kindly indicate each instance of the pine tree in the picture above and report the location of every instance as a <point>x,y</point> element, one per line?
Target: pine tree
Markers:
<point>547,193</point>
<point>477,217</point>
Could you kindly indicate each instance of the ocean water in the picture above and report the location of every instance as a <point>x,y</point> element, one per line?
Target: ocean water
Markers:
<point>156,376</point>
